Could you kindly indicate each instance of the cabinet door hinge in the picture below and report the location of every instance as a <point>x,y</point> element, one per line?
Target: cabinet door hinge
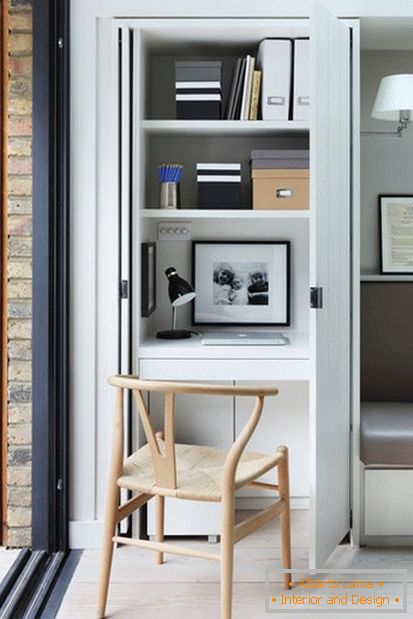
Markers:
<point>124,289</point>
<point>316,298</point>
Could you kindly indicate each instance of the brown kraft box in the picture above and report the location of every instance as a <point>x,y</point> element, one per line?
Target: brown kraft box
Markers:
<point>280,189</point>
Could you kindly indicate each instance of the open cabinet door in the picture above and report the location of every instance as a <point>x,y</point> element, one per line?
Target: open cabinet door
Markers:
<point>330,253</point>
<point>125,131</point>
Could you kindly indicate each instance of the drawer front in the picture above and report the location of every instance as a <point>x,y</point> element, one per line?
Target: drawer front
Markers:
<point>224,369</point>
<point>388,502</point>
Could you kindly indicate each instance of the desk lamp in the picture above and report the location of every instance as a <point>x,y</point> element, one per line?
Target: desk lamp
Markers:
<point>180,292</point>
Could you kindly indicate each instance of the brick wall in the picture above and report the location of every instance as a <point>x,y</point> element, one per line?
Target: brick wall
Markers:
<point>19,273</point>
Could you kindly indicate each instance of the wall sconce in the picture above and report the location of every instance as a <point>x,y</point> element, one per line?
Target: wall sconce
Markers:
<point>394,102</point>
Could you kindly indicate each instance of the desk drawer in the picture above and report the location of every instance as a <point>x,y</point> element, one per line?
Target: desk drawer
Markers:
<point>224,369</point>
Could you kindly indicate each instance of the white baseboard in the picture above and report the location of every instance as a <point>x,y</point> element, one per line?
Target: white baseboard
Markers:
<point>85,534</point>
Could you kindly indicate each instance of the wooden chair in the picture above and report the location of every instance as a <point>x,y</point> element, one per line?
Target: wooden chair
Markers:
<point>164,468</point>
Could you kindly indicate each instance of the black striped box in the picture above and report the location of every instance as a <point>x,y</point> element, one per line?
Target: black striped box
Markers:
<point>198,90</point>
<point>219,185</point>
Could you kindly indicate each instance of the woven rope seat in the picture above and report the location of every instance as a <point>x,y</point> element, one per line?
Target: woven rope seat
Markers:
<point>199,470</point>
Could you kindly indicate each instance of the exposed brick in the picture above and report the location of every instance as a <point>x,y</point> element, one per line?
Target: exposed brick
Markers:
<point>20,268</point>
<point>20,434</point>
<point>19,285</point>
<point>20,456</point>
<point>20,392</point>
<point>20,146</point>
<point>20,349</point>
<point>21,65</point>
<point>20,309</point>
<point>20,165</point>
<point>19,475</point>
<point>21,497</point>
<point>20,44</point>
<point>19,289</point>
<point>20,413</point>
<point>20,21</point>
<point>19,206</point>
<point>20,370</point>
<point>20,87</point>
<point>20,185</point>
<point>21,3</point>
<point>20,328</point>
<point>20,125</point>
<point>20,246</point>
<point>19,516</point>
<point>19,537</point>
<point>20,107</point>
<point>20,225</point>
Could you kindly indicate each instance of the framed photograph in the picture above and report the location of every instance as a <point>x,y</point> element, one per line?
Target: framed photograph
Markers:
<point>396,234</point>
<point>241,283</point>
<point>148,279</point>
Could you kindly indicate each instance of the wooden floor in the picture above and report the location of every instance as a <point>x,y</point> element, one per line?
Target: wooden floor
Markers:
<point>187,588</point>
<point>7,557</point>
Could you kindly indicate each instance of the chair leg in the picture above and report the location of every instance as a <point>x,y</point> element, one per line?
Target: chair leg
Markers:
<point>112,505</point>
<point>227,556</point>
<point>160,517</point>
<point>107,549</point>
<point>283,481</point>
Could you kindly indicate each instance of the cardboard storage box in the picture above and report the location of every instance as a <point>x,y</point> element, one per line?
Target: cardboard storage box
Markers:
<point>280,189</point>
<point>198,90</point>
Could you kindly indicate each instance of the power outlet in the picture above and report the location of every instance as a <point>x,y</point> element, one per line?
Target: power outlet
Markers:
<point>174,231</point>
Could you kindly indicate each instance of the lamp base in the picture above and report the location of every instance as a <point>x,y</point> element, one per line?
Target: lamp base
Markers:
<point>174,334</point>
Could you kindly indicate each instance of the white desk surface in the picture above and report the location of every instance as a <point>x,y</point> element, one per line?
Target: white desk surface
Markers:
<point>153,348</point>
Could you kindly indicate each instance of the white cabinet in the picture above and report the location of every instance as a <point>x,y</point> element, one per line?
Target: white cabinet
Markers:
<point>284,421</point>
<point>136,130</point>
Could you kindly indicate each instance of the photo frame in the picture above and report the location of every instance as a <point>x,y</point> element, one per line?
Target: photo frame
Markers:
<point>241,283</point>
<point>148,278</point>
<point>396,234</point>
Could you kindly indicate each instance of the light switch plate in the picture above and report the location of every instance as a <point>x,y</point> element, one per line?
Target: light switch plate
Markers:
<point>174,231</point>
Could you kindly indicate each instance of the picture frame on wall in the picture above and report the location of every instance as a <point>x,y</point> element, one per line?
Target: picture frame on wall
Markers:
<point>148,278</point>
<point>241,283</point>
<point>396,234</point>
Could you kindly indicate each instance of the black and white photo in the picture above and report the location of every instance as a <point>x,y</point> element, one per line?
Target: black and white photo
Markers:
<point>241,283</point>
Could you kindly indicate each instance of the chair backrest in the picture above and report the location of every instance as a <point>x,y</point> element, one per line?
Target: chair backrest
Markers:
<point>163,452</point>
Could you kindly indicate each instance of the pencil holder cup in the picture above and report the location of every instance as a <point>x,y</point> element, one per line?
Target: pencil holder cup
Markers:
<point>169,195</point>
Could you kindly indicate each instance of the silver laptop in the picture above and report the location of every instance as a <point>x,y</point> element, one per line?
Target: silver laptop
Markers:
<point>244,338</point>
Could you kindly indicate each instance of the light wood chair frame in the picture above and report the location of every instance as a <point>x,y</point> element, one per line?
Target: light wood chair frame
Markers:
<point>165,474</point>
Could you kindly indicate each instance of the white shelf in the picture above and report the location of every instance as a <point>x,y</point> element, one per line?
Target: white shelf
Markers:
<point>153,348</point>
<point>223,127</point>
<point>386,278</point>
<point>160,213</point>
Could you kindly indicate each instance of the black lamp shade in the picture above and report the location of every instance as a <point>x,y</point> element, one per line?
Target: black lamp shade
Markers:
<point>180,292</point>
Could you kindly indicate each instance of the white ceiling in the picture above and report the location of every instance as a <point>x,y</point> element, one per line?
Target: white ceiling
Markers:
<point>387,33</point>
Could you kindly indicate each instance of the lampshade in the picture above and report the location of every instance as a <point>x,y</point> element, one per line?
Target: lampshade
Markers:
<point>395,94</point>
<point>180,292</point>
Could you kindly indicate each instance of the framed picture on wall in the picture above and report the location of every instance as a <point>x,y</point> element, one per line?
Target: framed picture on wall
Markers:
<point>148,279</point>
<point>396,234</point>
<point>241,283</point>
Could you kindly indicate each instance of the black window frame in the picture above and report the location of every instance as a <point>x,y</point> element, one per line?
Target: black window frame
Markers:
<point>51,286</point>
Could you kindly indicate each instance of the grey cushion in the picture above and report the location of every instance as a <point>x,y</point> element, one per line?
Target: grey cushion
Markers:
<point>387,433</point>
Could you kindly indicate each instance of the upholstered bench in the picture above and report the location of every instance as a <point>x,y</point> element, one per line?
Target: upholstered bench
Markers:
<point>386,450</point>
<point>386,433</point>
